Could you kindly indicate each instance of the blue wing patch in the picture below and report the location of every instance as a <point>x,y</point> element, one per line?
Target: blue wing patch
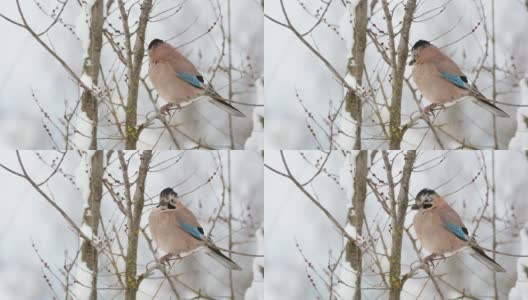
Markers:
<point>460,232</point>
<point>196,232</point>
<point>459,81</point>
<point>193,80</point>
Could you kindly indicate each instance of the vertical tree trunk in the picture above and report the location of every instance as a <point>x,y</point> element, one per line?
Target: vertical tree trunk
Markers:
<point>355,67</point>
<point>399,210</point>
<point>134,220</point>
<point>399,61</point>
<point>494,77</point>
<point>230,221</point>
<point>230,74</point>
<point>135,61</point>
<point>494,243</point>
<point>92,215</point>
<point>356,215</point>
<point>91,67</point>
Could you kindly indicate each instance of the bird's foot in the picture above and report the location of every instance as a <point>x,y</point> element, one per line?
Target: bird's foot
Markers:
<point>165,108</point>
<point>428,260</point>
<point>428,110</point>
<point>165,258</point>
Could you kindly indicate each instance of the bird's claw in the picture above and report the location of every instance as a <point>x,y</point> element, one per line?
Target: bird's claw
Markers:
<point>428,260</point>
<point>165,258</point>
<point>165,108</point>
<point>428,111</point>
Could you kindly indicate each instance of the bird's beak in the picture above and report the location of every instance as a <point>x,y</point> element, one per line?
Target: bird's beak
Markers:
<point>415,207</point>
<point>411,62</point>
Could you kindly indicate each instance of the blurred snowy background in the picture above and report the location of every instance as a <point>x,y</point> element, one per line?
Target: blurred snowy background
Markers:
<point>26,219</point>
<point>459,176</point>
<point>27,69</point>
<point>291,69</point>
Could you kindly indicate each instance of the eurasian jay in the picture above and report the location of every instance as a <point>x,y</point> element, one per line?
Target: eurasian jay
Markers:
<point>178,81</point>
<point>440,79</point>
<point>176,230</point>
<point>441,231</point>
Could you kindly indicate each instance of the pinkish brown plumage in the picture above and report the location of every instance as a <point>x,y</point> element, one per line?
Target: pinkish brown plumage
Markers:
<point>178,81</point>
<point>165,229</point>
<point>176,230</point>
<point>430,220</point>
<point>440,80</point>
<point>441,230</point>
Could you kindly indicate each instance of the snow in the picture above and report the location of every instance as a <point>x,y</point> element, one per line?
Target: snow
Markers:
<point>53,86</point>
<point>347,277</point>
<point>81,137</point>
<point>345,122</point>
<point>83,125</point>
<point>256,139</point>
<point>291,218</point>
<point>346,174</point>
<point>83,281</point>
<point>83,275</point>
<point>256,290</point>
<point>318,86</point>
<point>520,290</point>
<point>87,230</point>
<point>82,28</point>
<point>520,139</point>
<point>346,177</point>
<point>82,174</point>
<point>86,80</point>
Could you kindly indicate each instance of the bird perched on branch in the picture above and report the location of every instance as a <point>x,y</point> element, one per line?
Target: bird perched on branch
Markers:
<point>176,231</point>
<point>441,81</point>
<point>178,81</point>
<point>441,231</point>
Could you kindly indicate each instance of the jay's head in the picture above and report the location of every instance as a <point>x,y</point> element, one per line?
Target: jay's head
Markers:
<point>416,49</point>
<point>425,199</point>
<point>168,199</point>
<point>155,43</point>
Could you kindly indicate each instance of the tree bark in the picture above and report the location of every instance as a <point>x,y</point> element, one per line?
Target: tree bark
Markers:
<point>399,62</point>
<point>91,217</point>
<point>356,216</point>
<point>91,67</point>
<point>134,211</point>
<point>134,61</point>
<point>399,209</point>
<point>355,67</point>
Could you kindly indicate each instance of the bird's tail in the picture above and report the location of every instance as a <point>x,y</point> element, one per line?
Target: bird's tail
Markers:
<point>485,103</point>
<point>481,256</point>
<point>215,253</point>
<point>222,103</point>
